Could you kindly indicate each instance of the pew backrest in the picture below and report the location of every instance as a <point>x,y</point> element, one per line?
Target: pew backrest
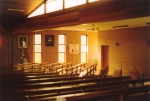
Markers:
<point>104,72</point>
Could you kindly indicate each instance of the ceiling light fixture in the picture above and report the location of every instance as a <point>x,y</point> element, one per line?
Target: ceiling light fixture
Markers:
<point>93,28</point>
<point>13,9</point>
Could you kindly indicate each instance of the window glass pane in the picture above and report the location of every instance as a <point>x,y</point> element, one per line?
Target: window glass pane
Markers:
<point>37,39</point>
<point>83,48</point>
<point>37,57</point>
<point>83,57</point>
<point>92,0</point>
<point>61,57</point>
<point>38,11</point>
<point>54,5</point>
<point>61,48</point>
<point>37,48</point>
<point>83,40</point>
<point>61,39</point>
<point>71,3</point>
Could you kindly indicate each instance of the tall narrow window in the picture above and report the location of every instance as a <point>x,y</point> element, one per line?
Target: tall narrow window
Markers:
<point>61,48</point>
<point>54,5</point>
<point>72,3</point>
<point>37,48</point>
<point>84,48</point>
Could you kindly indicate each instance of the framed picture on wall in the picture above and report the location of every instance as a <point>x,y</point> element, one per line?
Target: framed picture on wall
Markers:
<point>22,41</point>
<point>49,40</point>
<point>74,48</point>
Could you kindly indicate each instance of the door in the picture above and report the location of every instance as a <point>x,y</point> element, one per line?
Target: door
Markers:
<point>104,56</point>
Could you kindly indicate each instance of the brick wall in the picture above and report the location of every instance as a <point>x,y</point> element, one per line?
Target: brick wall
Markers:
<point>50,53</point>
<point>133,49</point>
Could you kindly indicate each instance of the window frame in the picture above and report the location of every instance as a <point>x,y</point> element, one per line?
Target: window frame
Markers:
<point>40,50</point>
<point>64,48</point>
<point>86,45</point>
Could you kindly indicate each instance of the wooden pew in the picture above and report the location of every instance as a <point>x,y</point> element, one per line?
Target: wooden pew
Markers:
<point>56,90</point>
<point>117,73</point>
<point>136,73</point>
<point>82,89</point>
<point>104,72</point>
<point>75,69</point>
<point>23,67</point>
<point>33,67</point>
<point>55,64</point>
<point>89,70</point>
<point>47,68</point>
<point>59,67</point>
<point>40,89</point>
<point>51,83</point>
<point>109,93</point>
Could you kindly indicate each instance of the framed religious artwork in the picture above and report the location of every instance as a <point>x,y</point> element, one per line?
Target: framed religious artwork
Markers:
<point>22,41</point>
<point>49,40</point>
<point>74,49</point>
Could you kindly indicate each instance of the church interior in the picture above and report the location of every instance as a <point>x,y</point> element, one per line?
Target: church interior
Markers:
<point>74,50</point>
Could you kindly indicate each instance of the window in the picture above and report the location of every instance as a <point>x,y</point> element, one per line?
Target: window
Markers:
<point>72,3</point>
<point>54,5</point>
<point>84,48</point>
<point>37,48</point>
<point>61,48</point>
<point>92,0</point>
<point>38,11</point>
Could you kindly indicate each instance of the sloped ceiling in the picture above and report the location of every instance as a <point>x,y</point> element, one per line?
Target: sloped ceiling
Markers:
<point>14,12</point>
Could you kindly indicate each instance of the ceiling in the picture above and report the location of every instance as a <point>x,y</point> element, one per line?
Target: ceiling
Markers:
<point>127,23</point>
<point>14,12</point>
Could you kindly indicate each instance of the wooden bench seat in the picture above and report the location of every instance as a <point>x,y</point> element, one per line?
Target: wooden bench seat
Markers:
<point>75,69</point>
<point>89,70</point>
<point>135,74</point>
<point>100,94</point>
<point>120,90</point>
<point>104,72</point>
<point>74,88</point>
<point>35,76</point>
<point>20,87</point>
<point>36,84</point>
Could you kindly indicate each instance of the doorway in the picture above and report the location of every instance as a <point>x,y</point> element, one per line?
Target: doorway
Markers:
<point>104,56</point>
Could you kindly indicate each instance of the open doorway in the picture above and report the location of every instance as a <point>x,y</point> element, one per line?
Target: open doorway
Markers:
<point>104,56</point>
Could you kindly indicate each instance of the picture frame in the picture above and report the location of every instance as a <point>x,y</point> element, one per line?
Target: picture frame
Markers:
<point>22,41</point>
<point>49,40</point>
<point>74,49</point>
